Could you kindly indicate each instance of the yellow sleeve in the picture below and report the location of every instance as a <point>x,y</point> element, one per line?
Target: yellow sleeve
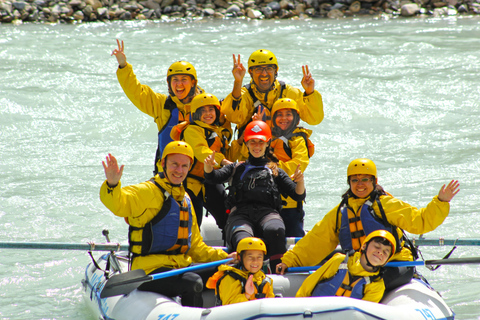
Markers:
<point>311,106</point>
<point>307,251</point>
<point>140,201</point>
<point>374,291</point>
<point>299,156</point>
<point>195,137</point>
<point>142,96</point>
<point>238,111</point>
<point>328,270</point>
<point>199,251</point>
<point>411,219</point>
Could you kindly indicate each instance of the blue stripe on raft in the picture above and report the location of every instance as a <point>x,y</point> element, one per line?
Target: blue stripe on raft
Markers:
<point>309,314</point>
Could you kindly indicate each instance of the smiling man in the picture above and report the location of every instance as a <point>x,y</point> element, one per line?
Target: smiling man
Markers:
<point>163,230</point>
<point>264,89</point>
<point>166,110</point>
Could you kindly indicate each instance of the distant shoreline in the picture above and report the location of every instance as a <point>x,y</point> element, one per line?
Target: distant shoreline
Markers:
<point>77,11</point>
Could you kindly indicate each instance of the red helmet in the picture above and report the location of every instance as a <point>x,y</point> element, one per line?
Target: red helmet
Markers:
<point>257,130</point>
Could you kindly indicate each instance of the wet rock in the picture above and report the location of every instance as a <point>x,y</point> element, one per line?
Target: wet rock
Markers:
<point>19,5</point>
<point>208,12</point>
<point>78,15</point>
<point>233,9</point>
<point>267,12</point>
<point>300,8</point>
<point>94,3</point>
<point>462,9</point>
<point>355,7</point>
<point>335,14</point>
<point>274,5</point>
<point>166,3</point>
<point>310,12</point>
<point>40,3</point>
<point>150,4</point>
<point>338,6</point>
<point>102,13</point>
<point>451,11</point>
<point>409,9</point>
<point>126,15</point>
<point>75,3</point>
<point>88,10</point>
<point>254,14</point>
<point>221,4</point>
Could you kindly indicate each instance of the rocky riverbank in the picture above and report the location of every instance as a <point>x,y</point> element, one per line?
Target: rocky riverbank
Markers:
<point>74,11</point>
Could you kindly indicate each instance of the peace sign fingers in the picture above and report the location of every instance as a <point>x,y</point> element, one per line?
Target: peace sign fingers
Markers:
<point>308,83</point>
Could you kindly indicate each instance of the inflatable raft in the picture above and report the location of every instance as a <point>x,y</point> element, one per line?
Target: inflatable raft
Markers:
<point>416,300</point>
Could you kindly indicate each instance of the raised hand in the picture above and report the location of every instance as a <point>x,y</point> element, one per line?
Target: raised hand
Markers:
<point>238,70</point>
<point>260,114</point>
<point>299,180</point>
<point>120,54</point>
<point>209,163</point>
<point>447,193</point>
<point>249,287</point>
<point>112,172</point>
<point>308,83</point>
<point>298,175</point>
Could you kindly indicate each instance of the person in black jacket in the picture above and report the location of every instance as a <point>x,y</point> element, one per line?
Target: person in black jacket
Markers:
<point>255,188</point>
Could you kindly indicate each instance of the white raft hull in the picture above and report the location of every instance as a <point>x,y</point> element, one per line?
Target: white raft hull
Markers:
<point>410,302</point>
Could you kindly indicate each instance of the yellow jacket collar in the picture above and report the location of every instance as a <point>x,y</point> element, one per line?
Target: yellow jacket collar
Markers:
<point>177,192</point>
<point>257,276</point>
<point>355,267</point>
<point>270,96</point>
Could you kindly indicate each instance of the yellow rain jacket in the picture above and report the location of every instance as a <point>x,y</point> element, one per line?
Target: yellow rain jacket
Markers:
<point>148,101</point>
<point>194,135</point>
<point>308,252</point>
<point>289,164</point>
<point>139,204</point>
<point>372,291</point>
<point>240,111</point>
<point>231,290</point>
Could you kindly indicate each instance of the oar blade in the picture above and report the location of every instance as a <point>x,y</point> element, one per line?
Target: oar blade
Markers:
<point>124,283</point>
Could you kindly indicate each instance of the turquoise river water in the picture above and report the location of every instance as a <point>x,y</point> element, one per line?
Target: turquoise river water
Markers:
<point>403,92</point>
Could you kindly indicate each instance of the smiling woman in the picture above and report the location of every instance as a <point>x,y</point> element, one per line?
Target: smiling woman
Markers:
<point>365,209</point>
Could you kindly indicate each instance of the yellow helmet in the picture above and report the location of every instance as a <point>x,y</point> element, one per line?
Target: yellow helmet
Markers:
<point>385,235</point>
<point>285,103</point>
<point>204,99</point>
<point>251,243</point>
<point>362,166</point>
<point>178,147</point>
<point>262,57</point>
<point>182,67</point>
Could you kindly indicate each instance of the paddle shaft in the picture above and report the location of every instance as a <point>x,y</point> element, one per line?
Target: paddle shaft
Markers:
<point>405,263</point>
<point>420,242</point>
<point>64,246</point>
<point>125,283</point>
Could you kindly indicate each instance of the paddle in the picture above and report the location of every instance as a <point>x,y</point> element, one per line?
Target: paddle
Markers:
<point>124,283</point>
<point>65,246</point>
<point>420,242</point>
<point>405,263</point>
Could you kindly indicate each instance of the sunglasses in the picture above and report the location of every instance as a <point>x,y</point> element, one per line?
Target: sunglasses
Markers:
<point>358,180</point>
<point>259,70</point>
